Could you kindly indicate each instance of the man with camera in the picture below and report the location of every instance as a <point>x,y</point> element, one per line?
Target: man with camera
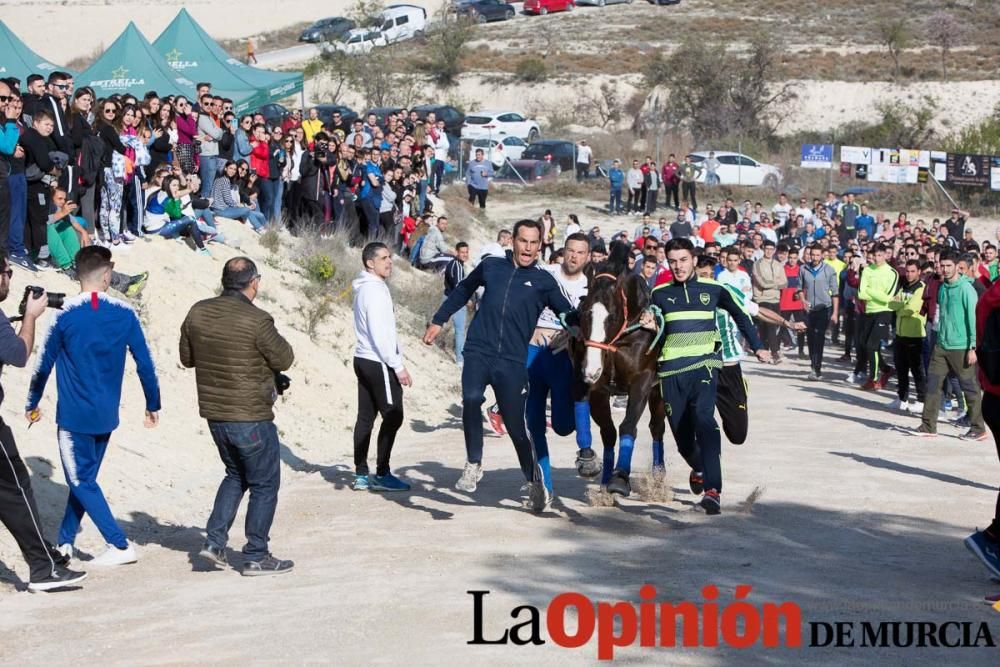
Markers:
<point>238,356</point>
<point>87,345</point>
<point>18,511</point>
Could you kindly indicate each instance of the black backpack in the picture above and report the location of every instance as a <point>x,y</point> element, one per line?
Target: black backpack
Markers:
<point>988,348</point>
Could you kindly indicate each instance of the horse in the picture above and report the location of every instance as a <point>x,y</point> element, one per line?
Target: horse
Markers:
<point>615,355</point>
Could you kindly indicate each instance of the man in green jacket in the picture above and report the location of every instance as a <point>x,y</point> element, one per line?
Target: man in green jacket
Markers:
<point>238,354</point>
<point>879,282</point>
<point>954,351</point>
<point>910,334</point>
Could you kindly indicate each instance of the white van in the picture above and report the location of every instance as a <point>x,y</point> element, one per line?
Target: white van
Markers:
<point>401,22</point>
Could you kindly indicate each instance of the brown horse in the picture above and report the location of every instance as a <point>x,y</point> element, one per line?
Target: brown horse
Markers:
<point>616,356</point>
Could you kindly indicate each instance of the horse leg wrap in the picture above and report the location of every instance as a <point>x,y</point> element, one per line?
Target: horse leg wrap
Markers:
<point>658,453</point>
<point>609,465</point>
<point>625,445</point>
<point>581,418</point>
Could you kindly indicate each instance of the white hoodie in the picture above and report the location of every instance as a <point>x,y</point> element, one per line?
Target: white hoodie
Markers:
<point>375,322</point>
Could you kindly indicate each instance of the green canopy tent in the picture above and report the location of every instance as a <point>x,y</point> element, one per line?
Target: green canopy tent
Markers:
<point>18,61</point>
<point>131,65</point>
<point>189,50</point>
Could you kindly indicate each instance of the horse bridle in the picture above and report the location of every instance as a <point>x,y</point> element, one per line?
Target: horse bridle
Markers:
<point>610,346</point>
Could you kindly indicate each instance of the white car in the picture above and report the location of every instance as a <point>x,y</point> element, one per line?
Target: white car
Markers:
<point>495,124</point>
<point>401,22</point>
<point>499,151</point>
<point>739,169</point>
<point>358,40</point>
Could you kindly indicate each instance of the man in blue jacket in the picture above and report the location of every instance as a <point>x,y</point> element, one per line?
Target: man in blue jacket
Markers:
<point>616,177</point>
<point>86,345</point>
<point>516,292</point>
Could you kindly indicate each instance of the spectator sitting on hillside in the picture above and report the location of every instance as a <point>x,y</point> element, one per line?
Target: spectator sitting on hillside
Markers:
<point>435,253</point>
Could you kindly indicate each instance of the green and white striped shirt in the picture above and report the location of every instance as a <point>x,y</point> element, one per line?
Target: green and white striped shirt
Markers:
<point>729,334</point>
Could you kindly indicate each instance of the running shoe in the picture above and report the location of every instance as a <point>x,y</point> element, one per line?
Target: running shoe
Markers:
<point>24,262</point>
<point>471,474</point>
<point>813,375</point>
<point>137,284</point>
<point>43,264</point>
<point>361,483</point>
<point>986,550</point>
<point>59,577</point>
<point>963,421</point>
<point>696,482</point>
<point>915,407</point>
<point>388,482</point>
<point>921,432</point>
<point>539,497</point>
<point>619,484</point>
<point>128,237</point>
<point>66,551</point>
<point>495,419</point>
<point>899,405</point>
<point>974,435</point>
<point>114,556</point>
<point>214,555</point>
<point>711,502</point>
<point>883,378</point>
<point>265,566</point>
<point>587,463</point>
<point>870,386</point>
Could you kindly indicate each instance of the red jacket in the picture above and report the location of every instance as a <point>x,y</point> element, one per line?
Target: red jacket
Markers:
<point>789,300</point>
<point>988,302</point>
<point>663,276</point>
<point>260,160</point>
<point>669,174</point>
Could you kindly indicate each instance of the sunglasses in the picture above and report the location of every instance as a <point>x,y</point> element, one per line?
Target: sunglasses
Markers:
<point>110,110</point>
<point>5,98</point>
<point>9,273</point>
<point>61,86</point>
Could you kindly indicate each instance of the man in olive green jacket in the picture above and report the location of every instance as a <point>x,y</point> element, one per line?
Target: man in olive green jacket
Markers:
<point>236,353</point>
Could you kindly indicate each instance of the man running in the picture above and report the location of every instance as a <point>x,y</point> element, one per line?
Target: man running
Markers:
<point>516,290</point>
<point>551,371</point>
<point>689,363</point>
<point>732,394</point>
<point>879,282</point>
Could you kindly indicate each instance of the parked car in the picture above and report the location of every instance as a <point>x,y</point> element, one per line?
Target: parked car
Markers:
<point>347,114</point>
<point>358,40</point>
<point>543,7</point>
<point>494,123</point>
<point>739,169</point>
<point>529,170</point>
<point>601,3</point>
<point>482,11</point>
<point>498,151</point>
<point>401,22</point>
<point>664,2</point>
<point>273,113</point>
<point>326,30</point>
<point>452,117</point>
<point>556,151</point>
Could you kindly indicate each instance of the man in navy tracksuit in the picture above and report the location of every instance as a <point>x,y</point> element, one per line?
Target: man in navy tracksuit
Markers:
<point>87,345</point>
<point>516,292</point>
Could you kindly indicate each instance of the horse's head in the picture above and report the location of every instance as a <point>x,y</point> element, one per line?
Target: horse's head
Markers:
<point>613,301</point>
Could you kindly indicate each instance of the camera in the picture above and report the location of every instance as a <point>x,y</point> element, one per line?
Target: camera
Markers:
<point>281,382</point>
<point>55,298</point>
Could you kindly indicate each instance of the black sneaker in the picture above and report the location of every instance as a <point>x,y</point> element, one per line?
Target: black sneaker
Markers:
<point>267,565</point>
<point>60,577</point>
<point>973,434</point>
<point>214,555</point>
<point>711,502</point>
<point>44,264</point>
<point>696,482</point>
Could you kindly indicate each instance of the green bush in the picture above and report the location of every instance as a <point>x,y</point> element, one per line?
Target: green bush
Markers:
<point>319,268</point>
<point>531,70</point>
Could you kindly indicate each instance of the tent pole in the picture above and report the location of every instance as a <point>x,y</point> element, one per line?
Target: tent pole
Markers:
<point>303,94</point>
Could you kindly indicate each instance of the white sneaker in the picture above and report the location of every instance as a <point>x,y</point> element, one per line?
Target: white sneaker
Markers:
<point>916,407</point>
<point>115,556</point>
<point>66,550</point>
<point>471,475</point>
<point>898,406</point>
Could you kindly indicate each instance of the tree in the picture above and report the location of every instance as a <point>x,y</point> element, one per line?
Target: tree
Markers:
<point>334,70</point>
<point>715,93</point>
<point>944,30</point>
<point>366,13</point>
<point>894,35</point>
<point>446,46</point>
